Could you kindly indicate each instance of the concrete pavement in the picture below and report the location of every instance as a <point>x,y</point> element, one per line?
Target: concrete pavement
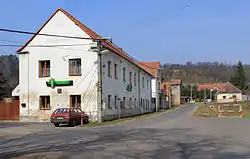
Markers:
<point>170,135</point>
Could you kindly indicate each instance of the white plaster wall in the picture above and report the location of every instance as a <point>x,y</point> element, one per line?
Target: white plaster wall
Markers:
<point>29,72</point>
<point>229,97</point>
<point>117,87</point>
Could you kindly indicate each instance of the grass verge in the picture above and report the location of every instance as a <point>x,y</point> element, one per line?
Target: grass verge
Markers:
<point>205,111</point>
<point>116,121</point>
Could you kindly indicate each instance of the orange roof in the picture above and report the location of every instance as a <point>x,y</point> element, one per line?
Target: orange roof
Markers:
<point>223,87</point>
<point>151,67</point>
<point>91,33</point>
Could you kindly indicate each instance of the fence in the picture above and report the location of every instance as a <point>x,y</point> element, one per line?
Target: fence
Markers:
<point>9,111</point>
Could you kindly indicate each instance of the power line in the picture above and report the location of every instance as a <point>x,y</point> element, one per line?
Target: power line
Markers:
<point>10,45</point>
<point>63,36</point>
<point>84,95</point>
<point>42,34</point>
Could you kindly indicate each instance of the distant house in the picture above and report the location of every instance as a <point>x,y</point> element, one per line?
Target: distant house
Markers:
<point>174,86</point>
<point>225,92</point>
<point>158,98</point>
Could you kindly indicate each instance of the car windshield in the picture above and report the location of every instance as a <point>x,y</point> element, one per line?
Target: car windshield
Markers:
<point>61,111</point>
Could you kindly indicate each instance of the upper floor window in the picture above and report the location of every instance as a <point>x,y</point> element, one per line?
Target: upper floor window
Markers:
<point>135,79</point>
<point>109,68</point>
<point>115,68</point>
<point>44,68</point>
<point>75,101</point>
<point>147,84</point>
<point>124,74</point>
<point>159,85</point>
<point>75,68</point>
<point>143,82</point>
<point>130,77</point>
<point>165,87</point>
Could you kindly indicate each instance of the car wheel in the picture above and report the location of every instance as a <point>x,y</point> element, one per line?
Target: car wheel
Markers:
<point>73,123</point>
<point>56,125</point>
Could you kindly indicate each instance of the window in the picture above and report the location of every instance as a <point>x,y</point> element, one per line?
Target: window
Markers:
<point>130,77</point>
<point>124,102</point>
<point>141,102</point>
<point>130,101</point>
<point>116,102</point>
<point>75,101</point>
<point>165,87</point>
<point>135,79</point>
<point>147,84</point>
<point>159,85</point>
<point>135,103</point>
<point>124,74</point>
<point>142,82</point>
<point>44,68</point>
<point>109,68</point>
<point>75,68</point>
<point>109,102</point>
<point>45,102</point>
<point>115,66</point>
<point>234,96</point>
<point>224,97</point>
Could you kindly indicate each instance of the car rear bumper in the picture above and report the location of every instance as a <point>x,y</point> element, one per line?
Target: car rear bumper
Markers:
<point>59,121</point>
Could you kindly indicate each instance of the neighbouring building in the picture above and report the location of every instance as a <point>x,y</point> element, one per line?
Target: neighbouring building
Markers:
<point>224,92</point>
<point>64,72</point>
<point>173,91</point>
<point>158,97</point>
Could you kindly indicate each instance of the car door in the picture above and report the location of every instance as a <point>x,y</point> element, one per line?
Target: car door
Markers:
<point>77,115</point>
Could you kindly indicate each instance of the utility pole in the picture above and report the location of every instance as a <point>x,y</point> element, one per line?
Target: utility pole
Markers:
<point>99,89</point>
<point>191,92</point>
<point>99,50</point>
<point>156,94</point>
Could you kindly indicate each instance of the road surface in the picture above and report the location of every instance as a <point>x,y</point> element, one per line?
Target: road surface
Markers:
<point>173,135</point>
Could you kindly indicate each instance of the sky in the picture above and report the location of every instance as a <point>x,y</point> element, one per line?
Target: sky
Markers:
<point>169,31</point>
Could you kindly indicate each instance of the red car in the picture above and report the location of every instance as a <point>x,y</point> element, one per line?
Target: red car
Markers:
<point>71,116</point>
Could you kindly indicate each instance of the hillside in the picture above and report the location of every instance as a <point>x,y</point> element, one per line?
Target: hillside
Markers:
<point>206,72</point>
<point>9,67</point>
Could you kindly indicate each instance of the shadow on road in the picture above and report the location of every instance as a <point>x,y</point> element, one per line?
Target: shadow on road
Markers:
<point>137,143</point>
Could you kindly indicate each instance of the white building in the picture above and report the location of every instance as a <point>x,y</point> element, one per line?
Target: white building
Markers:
<point>73,67</point>
<point>158,96</point>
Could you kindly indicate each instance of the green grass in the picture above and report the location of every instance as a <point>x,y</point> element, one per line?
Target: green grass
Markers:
<point>116,121</point>
<point>205,111</point>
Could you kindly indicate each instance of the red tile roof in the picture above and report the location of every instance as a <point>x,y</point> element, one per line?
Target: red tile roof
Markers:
<point>223,87</point>
<point>151,67</point>
<point>92,35</point>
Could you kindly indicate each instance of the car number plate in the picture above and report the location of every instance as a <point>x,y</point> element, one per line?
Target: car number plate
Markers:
<point>59,118</point>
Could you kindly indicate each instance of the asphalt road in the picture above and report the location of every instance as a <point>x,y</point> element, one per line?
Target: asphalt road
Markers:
<point>174,135</point>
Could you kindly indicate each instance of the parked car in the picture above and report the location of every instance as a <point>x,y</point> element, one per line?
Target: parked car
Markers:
<point>71,116</point>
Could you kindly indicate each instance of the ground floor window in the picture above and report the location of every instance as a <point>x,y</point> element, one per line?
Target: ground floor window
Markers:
<point>109,102</point>
<point>44,102</point>
<point>75,101</point>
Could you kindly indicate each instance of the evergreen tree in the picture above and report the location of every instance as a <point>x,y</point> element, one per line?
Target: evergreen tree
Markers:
<point>239,77</point>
